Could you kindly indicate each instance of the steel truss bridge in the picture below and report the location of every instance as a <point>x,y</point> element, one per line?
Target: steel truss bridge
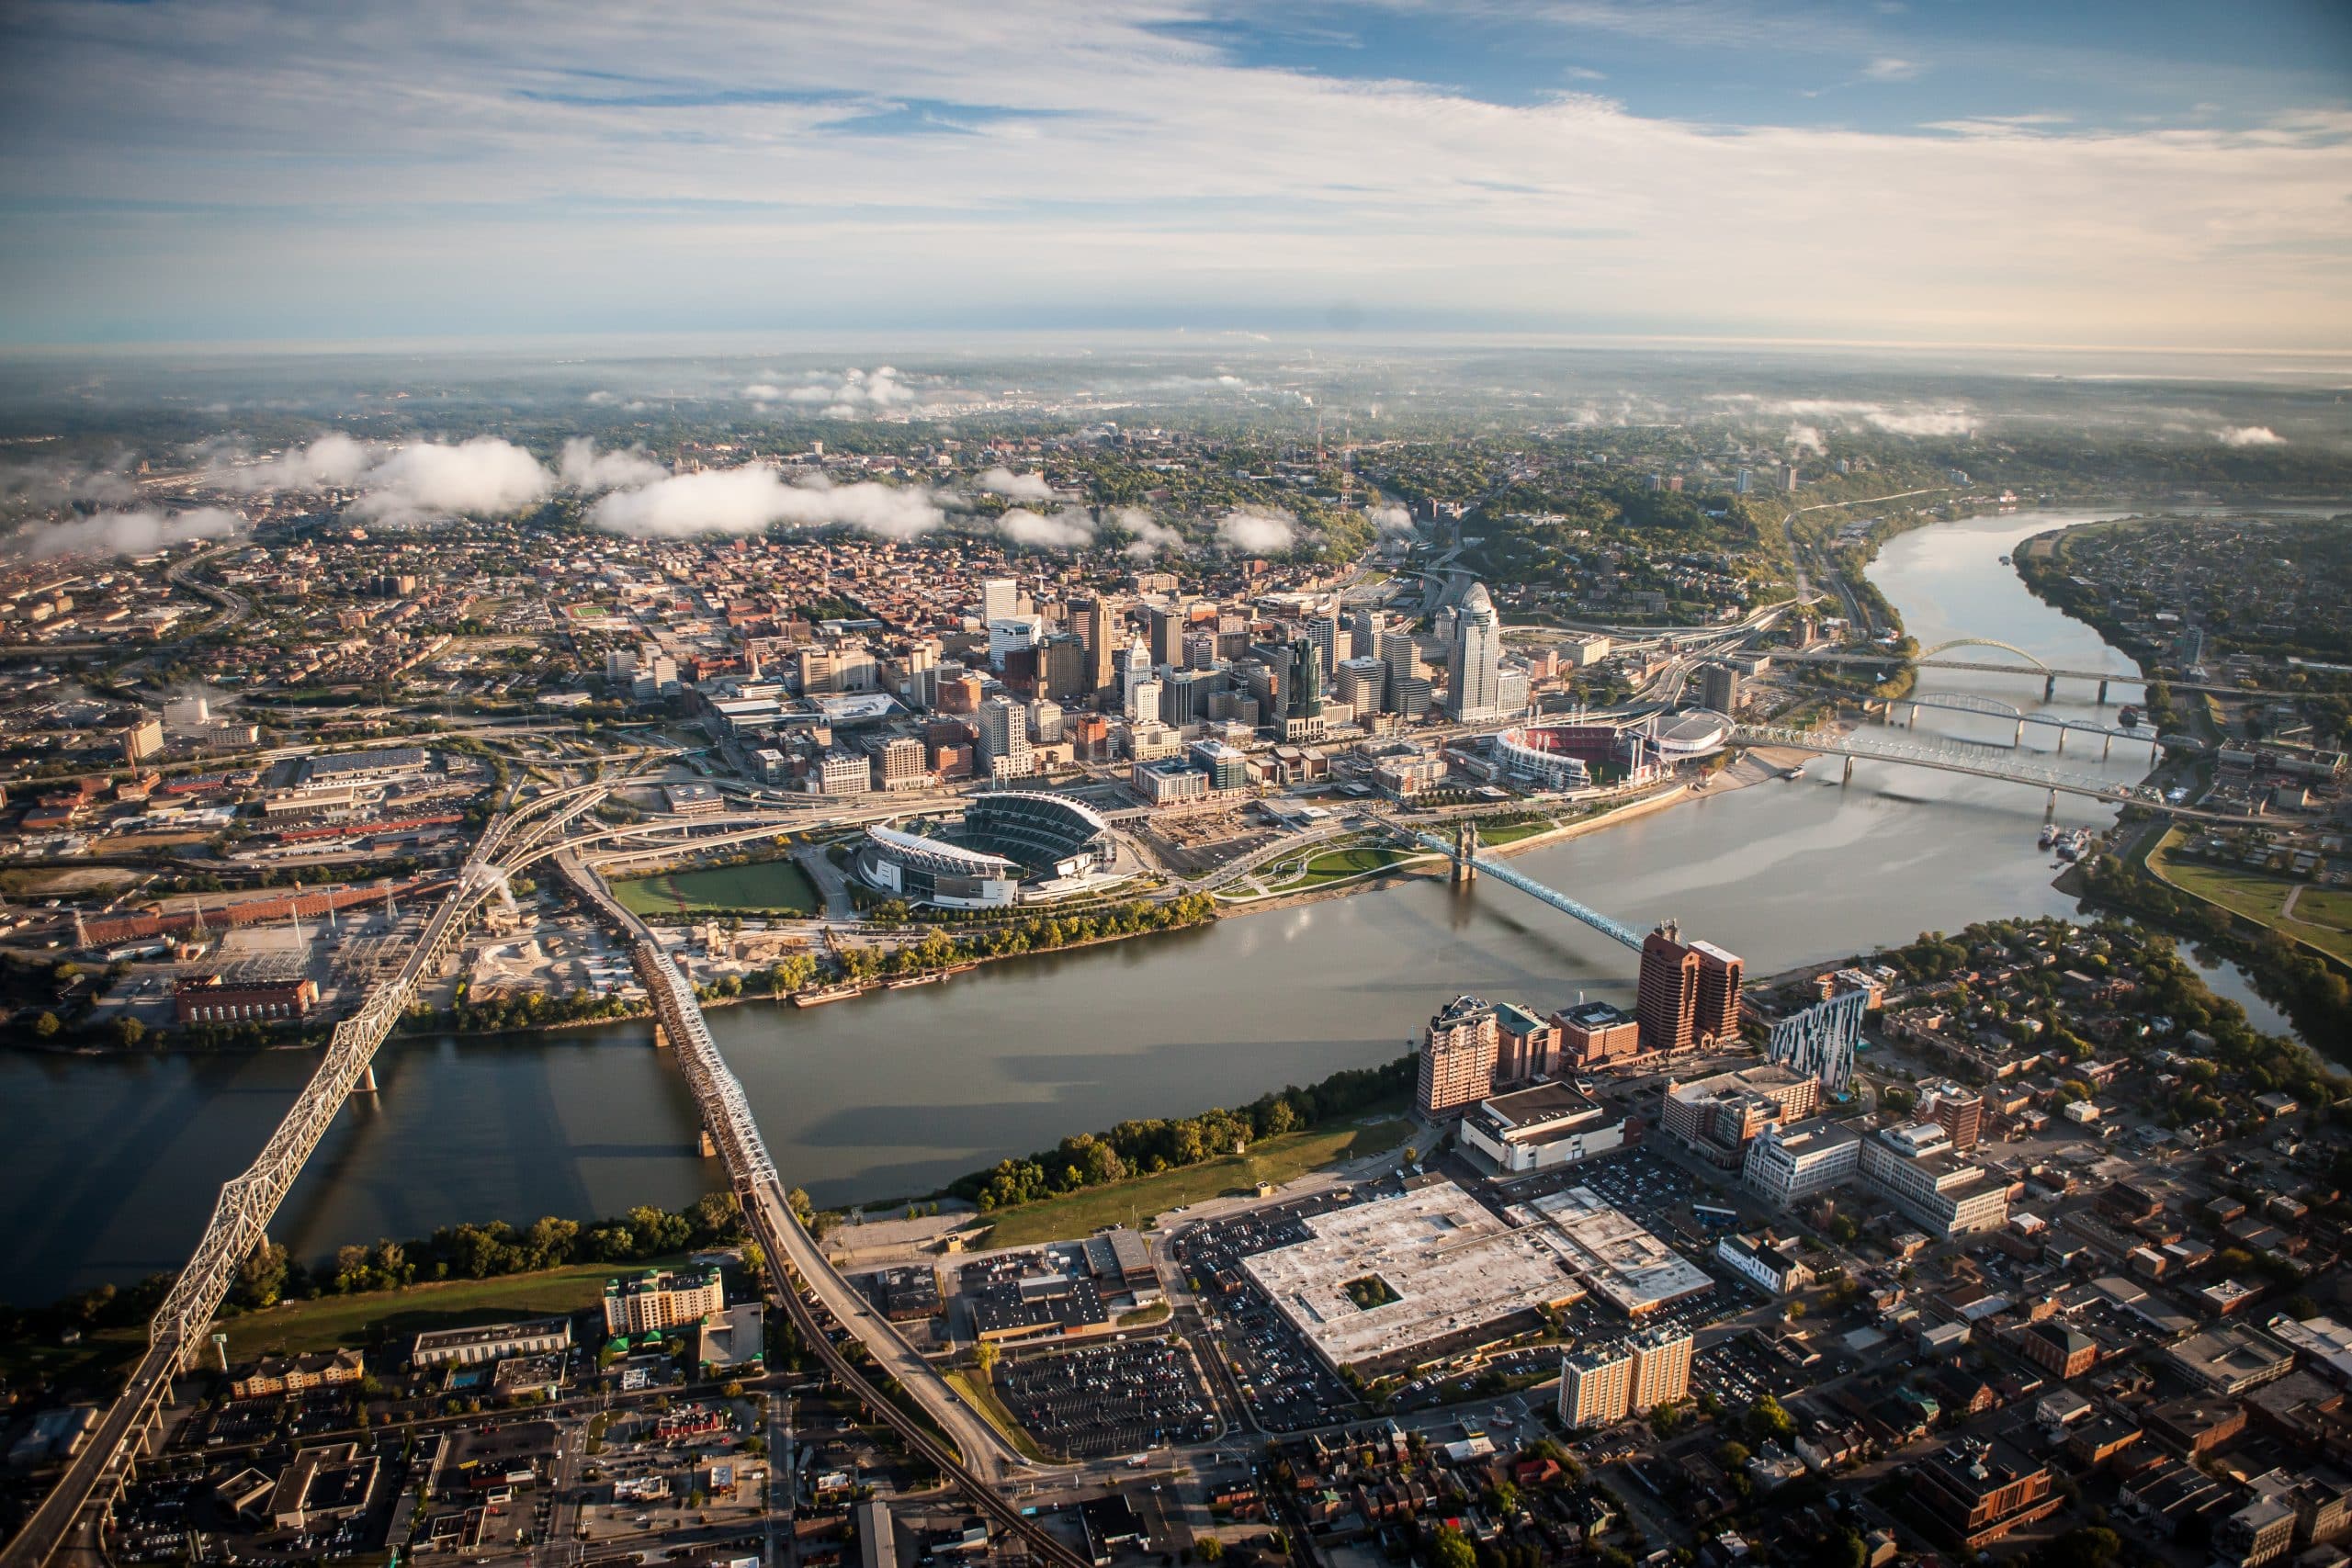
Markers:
<point>1935,658</point>
<point>978,1456</point>
<point>1464,853</point>
<point>1953,757</point>
<point>84,1495</point>
<point>1993,707</point>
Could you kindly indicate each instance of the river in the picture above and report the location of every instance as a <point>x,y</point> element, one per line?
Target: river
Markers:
<point>116,1161</point>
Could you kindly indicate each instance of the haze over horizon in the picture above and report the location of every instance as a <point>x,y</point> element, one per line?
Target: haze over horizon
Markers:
<point>1923,173</point>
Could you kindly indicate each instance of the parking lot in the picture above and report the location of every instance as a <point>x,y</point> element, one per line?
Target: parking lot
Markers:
<point>1745,1367</point>
<point>1287,1386</point>
<point>1112,1399</point>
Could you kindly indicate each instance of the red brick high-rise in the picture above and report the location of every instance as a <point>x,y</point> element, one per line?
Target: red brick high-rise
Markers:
<point>1667,1005</point>
<point>1717,1014</point>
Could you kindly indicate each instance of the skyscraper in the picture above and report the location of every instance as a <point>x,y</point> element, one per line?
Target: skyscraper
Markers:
<point>1332,638</point>
<point>1719,687</point>
<point>1458,1053</point>
<point>1096,621</point>
<point>1305,693</point>
<point>1169,625</point>
<point>1667,1003</point>
<point>1715,1015</point>
<point>1475,668</point>
<point>1004,738</point>
<point>999,599</point>
<point>1661,1367</point>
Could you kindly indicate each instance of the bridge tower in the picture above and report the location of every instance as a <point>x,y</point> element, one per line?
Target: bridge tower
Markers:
<point>1466,853</point>
<point>2049,688</point>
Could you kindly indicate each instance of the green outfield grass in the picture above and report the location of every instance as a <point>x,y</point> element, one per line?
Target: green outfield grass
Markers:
<point>1280,1159</point>
<point>762,887</point>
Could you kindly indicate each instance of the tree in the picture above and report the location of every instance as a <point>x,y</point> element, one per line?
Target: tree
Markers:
<point>1449,1548</point>
<point>984,1357</point>
<point>46,1026</point>
<point>1209,1548</point>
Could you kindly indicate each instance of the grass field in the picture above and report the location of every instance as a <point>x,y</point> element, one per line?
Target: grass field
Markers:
<point>393,1315</point>
<point>1281,1160</point>
<point>1334,865</point>
<point>982,1395</point>
<point>2322,917</point>
<point>1511,832</point>
<point>762,887</point>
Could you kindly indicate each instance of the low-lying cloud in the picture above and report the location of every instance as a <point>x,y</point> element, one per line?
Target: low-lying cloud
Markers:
<point>1390,517</point>
<point>138,532</point>
<point>1908,419</point>
<point>1015,487</point>
<point>748,499</point>
<point>1068,529</point>
<point>1151,536</point>
<point>1252,531</point>
<point>420,481</point>
<point>2249,435</point>
<point>587,470</point>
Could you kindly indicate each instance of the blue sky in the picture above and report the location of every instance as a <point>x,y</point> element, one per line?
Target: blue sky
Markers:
<point>2136,174</point>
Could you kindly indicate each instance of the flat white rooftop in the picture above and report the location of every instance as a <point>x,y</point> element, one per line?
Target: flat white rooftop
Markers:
<point>1631,1268</point>
<point>1450,1263</point>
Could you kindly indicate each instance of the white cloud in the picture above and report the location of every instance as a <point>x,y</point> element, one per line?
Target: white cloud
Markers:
<point>763,391</point>
<point>584,468</point>
<point>333,461</point>
<point>1807,438</point>
<point>1151,536</point>
<point>1068,529</point>
<point>1123,160</point>
<point>1390,517</point>
<point>748,499</point>
<point>482,477</point>
<point>2249,435</point>
<point>1904,419</point>
<point>1015,487</point>
<point>1250,532</point>
<point>134,533</point>
<point>60,484</point>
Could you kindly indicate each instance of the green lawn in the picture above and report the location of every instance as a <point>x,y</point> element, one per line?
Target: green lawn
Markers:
<point>1278,1160</point>
<point>2322,916</point>
<point>981,1395</point>
<point>762,887</point>
<point>1334,865</point>
<point>1511,832</point>
<point>390,1316</point>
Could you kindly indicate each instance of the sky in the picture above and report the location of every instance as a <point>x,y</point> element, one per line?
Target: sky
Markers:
<point>2114,173</point>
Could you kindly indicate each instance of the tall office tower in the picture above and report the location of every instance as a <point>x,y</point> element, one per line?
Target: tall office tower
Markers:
<point>1004,740</point>
<point>1661,1367</point>
<point>1144,698</point>
<point>1133,665</point>
<point>1745,483</point>
<point>1719,687</point>
<point>1199,649</point>
<point>1363,684</point>
<point>1458,1054</point>
<point>1475,667</point>
<point>1667,1003</point>
<point>1096,622</point>
<point>999,599</point>
<point>1401,651</point>
<point>1184,696</point>
<point>1714,1018</point>
<point>1305,694</point>
<point>1169,625</point>
<point>1046,721</point>
<point>1062,669</point>
<point>1332,638</point>
<point>1788,476</point>
<point>1596,1386</point>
